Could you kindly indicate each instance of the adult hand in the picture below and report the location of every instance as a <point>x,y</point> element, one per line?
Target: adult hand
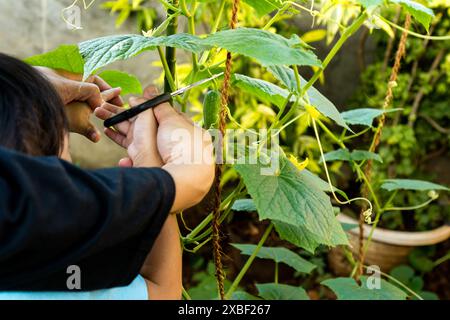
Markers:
<point>137,135</point>
<point>185,149</point>
<point>72,89</point>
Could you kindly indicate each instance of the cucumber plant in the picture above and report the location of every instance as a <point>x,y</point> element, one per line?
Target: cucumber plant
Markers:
<point>296,201</point>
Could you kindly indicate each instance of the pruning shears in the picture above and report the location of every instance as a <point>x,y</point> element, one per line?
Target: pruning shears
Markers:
<point>165,97</point>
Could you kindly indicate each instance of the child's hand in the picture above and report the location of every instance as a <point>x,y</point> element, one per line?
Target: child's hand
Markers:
<point>79,114</point>
<point>91,93</point>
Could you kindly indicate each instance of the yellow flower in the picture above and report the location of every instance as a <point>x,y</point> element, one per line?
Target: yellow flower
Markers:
<point>299,165</point>
<point>312,111</point>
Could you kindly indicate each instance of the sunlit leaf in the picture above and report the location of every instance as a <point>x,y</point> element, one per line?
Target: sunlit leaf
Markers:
<point>100,52</point>
<point>421,13</point>
<point>318,100</point>
<point>268,48</point>
<point>128,83</point>
<point>264,90</point>
<point>65,57</point>
<point>263,7</point>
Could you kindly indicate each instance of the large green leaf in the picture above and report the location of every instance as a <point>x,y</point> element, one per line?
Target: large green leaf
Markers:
<point>318,100</point>
<point>355,155</point>
<point>279,255</point>
<point>264,90</point>
<point>408,184</point>
<point>288,197</point>
<point>300,236</point>
<point>263,7</point>
<point>364,116</point>
<point>274,291</point>
<point>65,57</point>
<point>128,83</point>
<point>421,13</point>
<point>348,289</point>
<point>100,52</point>
<point>266,47</point>
<point>303,238</point>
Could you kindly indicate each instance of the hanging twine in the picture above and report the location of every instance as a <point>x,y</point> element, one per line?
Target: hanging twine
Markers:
<point>376,140</point>
<point>220,274</point>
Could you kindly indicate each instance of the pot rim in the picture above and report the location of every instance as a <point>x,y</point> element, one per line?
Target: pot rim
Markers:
<point>401,238</point>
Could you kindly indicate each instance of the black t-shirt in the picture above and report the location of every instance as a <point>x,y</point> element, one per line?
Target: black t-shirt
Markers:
<point>54,215</point>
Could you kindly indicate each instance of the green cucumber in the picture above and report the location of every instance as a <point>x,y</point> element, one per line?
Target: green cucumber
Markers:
<point>211,109</point>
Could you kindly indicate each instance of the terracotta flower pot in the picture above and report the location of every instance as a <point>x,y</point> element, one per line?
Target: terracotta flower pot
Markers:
<point>387,249</point>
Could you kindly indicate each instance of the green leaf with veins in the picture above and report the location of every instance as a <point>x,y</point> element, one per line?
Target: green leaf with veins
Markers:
<point>100,52</point>
<point>263,7</point>
<point>266,47</point>
<point>408,184</point>
<point>279,255</point>
<point>65,57</point>
<point>129,83</point>
<point>303,238</point>
<point>421,13</point>
<point>364,116</point>
<point>288,197</point>
<point>348,289</point>
<point>264,90</point>
<point>274,291</point>
<point>319,101</point>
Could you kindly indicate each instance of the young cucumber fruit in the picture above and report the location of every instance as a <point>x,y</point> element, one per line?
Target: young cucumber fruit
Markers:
<point>211,109</point>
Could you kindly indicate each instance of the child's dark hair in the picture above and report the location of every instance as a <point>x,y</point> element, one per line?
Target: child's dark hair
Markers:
<point>32,117</point>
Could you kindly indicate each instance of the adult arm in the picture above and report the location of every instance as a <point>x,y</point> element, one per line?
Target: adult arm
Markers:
<point>53,215</point>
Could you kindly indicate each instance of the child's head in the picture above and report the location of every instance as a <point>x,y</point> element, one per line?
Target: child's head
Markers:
<point>32,117</point>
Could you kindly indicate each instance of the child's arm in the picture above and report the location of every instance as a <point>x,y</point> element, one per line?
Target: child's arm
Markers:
<point>163,266</point>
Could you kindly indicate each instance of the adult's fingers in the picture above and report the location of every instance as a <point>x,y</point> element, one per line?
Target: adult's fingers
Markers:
<point>108,110</point>
<point>87,92</point>
<point>118,138</point>
<point>103,85</point>
<point>110,94</point>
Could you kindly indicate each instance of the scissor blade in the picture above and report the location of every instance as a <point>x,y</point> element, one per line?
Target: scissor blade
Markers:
<point>196,84</point>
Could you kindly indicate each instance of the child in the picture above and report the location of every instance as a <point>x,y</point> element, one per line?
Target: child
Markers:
<point>33,121</point>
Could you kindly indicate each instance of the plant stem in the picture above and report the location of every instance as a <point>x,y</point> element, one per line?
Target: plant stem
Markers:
<point>345,35</point>
<point>249,262</point>
<point>276,16</point>
<point>185,294</point>
<point>331,134</point>
<point>170,51</point>
<point>276,272</point>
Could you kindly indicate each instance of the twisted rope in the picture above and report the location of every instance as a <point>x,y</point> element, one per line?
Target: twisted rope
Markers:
<point>217,248</point>
<point>376,140</point>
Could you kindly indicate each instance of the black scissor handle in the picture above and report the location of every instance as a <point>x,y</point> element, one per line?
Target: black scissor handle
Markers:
<point>130,113</point>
